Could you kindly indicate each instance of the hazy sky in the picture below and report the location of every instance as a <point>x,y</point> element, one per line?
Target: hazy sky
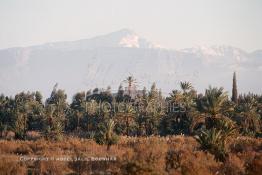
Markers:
<point>170,23</point>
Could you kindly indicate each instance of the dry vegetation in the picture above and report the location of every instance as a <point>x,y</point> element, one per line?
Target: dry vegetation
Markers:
<point>202,134</point>
<point>134,155</point>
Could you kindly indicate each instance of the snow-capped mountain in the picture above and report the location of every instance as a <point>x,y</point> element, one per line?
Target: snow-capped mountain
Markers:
<point>107,60</point>
<point>121,38</point>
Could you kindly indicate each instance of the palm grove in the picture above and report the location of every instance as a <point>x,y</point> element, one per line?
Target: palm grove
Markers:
<point>212,117</point>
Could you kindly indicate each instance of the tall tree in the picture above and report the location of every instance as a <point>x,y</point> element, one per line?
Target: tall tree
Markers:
<point>57,106</point>
<point>247,115</point>
<point>78,107</point>
<point>213,101</point>
<point>130,84</point>
<point>234,88</point>
<point>7,113</point>
<point>214,106</point>
<point>153,111</point>
<point>186,86</point>
<point>24,103</point>
<point>120,94</point>
<point>38,97</point>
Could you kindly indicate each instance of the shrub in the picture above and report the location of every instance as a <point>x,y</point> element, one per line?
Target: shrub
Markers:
<point>234,166</point>
<point>33,135</point>
<point>23,149</point>
<point>213,140</point>
<point>186,160</point>
<point>255,167</point>
<point>10,165</point>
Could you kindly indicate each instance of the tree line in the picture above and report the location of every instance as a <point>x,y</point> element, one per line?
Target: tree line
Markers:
<point>206,115</point>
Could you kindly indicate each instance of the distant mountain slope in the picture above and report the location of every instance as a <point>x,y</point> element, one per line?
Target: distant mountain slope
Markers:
<point>107,60</point>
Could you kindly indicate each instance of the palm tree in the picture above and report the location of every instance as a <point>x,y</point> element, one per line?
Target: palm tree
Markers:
<point>176,97</point>
<point>247,111</point>
<point>186,86</point>
<point>186,98</point>
<point>130,83</point>
<point>214,141</point>
<point>128,118</point>
<point>212,106</point>
<point>228,127</point>
<point>106,134</point>
<point>197,120</point>
<point>78,106</point>
<point>213,101</point>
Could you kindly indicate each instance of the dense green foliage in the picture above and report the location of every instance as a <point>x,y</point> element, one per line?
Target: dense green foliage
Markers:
<point>100,114</point>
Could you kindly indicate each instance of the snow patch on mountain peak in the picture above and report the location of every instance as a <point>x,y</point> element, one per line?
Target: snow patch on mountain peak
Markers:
<point>130,41</point>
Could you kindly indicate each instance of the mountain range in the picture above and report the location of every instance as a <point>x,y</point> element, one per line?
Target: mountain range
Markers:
<point>108,59</point>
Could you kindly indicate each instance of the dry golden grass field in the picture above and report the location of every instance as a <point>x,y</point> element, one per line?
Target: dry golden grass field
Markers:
<point>143,155</point>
